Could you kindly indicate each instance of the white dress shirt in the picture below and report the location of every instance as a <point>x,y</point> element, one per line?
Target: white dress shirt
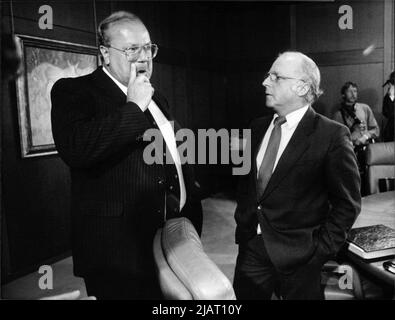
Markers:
<point>167,131</point>
<point>287,130</point>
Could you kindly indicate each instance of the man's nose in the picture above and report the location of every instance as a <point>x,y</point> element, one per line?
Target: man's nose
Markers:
<point>265,82</point>
<point>143,56</point>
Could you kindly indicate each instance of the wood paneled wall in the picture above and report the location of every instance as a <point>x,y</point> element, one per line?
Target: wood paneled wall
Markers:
<point>340,53</point>
<point>36,191</point>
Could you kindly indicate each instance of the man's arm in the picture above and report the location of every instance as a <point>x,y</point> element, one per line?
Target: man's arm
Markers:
<point>343,181</point>
<point>372,126</point>
<point>84,138</point>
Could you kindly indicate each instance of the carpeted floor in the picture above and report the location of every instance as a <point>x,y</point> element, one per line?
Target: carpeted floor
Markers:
<point>217,239</point>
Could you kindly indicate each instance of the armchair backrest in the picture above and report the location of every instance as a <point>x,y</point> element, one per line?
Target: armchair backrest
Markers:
<point>185,271</point>
<point>380,161</point>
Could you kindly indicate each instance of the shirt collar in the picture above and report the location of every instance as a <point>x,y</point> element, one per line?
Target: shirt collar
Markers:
<point>294,117</point>
<point>120,85</point>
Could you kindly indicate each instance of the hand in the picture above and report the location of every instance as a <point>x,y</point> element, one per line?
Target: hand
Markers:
<point>364,139</point>
<point>140,90</point>
<point>357,142</point>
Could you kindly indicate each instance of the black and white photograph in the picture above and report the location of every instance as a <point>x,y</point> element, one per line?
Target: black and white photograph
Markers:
<point>173,151</point>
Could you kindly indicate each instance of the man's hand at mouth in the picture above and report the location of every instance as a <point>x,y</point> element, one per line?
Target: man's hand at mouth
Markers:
<point>140,90</point>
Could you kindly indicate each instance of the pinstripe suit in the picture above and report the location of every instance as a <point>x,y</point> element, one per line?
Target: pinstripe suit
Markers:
<point>117,199</point>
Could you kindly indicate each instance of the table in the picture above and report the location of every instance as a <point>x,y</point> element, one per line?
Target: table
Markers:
<point>377,208</point>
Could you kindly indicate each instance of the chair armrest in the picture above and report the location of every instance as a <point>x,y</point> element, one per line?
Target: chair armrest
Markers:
<point>184,253</point>
<point>172,288</point>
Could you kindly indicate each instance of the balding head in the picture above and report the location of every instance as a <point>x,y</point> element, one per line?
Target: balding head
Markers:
<point>308,71</point>
<point>117,18</point>
<point>293,83</point>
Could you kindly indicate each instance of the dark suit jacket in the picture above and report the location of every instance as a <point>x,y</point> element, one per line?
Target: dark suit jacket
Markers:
<point>117,199</point>
<point>388,112</point>
<point>312,198</point>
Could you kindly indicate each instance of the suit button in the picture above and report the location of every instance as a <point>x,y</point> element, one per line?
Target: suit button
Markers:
<point>161,181</point>
<point>171,187</point>
<point>259,208</point>
<point>176,176</point>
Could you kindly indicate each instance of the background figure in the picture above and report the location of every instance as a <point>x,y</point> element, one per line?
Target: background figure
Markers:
<point>388,108</point>
<point>359,118</point>
<point>296,206</point>
<point>118,200</point>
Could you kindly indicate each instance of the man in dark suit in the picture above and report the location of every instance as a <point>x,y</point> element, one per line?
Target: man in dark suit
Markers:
<point>302,196</point>
<point>118,200</point>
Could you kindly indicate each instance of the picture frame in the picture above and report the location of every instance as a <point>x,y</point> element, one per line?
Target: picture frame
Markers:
<point>44,61</point>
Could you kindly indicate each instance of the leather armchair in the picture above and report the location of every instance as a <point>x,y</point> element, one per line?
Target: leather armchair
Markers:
<point>184,270</point>
<point>380,162</point>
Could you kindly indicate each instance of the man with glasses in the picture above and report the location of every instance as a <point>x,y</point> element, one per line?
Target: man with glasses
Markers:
<point>296,206</point>
<point>118,201</point>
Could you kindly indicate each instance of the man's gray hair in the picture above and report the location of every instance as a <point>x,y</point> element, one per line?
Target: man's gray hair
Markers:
<point>311,74</point>
<point>116,17</point>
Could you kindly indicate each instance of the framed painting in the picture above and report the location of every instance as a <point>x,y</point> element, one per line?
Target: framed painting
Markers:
<point>44,62</point>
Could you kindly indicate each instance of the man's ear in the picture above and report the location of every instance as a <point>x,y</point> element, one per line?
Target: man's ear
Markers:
<point>301,89</point>
<point>105,55</point>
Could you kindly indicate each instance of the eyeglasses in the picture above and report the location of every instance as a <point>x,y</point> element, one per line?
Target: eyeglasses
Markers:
<point>275,77</point>
<point>133,53</point>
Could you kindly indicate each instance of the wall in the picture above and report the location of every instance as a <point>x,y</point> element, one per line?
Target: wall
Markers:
<point>339,53</point>
<point>35,194</point>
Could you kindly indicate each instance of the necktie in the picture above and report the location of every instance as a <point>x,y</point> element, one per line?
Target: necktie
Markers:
<point>266,169</point>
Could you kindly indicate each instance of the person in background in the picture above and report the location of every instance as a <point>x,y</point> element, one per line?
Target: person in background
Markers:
<point>388,108</point>
<point>359,118</point>
<point>119,200</point>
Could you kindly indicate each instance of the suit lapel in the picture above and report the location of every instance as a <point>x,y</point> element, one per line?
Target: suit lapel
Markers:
<point>294,150</point>
<point>164,107</point>
<point>108,87</point>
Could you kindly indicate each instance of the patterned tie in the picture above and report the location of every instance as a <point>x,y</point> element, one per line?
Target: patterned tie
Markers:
<point>266,169</point>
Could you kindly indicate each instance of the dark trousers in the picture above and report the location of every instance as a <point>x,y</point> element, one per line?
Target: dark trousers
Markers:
<point>256,278</point>
<point>105,286</point>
